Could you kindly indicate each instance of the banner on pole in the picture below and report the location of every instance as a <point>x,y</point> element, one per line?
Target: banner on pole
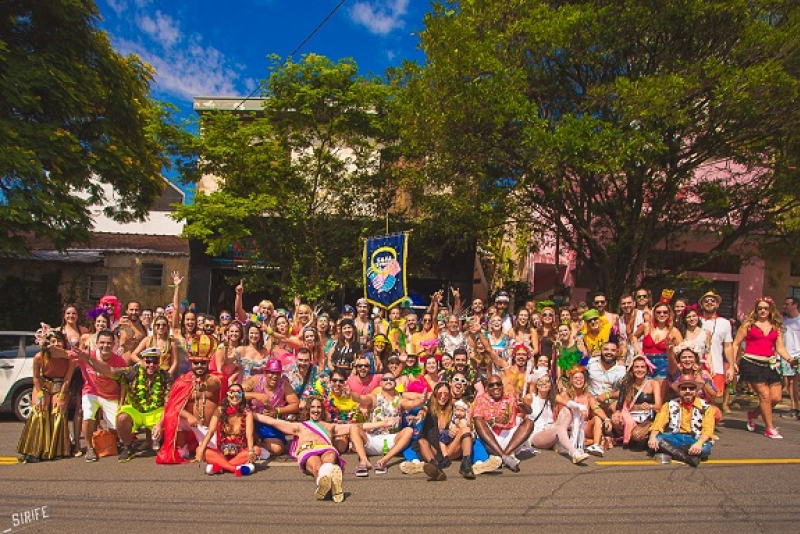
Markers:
<point>385,269</point>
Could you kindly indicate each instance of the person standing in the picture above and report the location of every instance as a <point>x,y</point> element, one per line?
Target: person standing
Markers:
<point>791,322</point>
<point>722,354</point>
<point>758,365</point>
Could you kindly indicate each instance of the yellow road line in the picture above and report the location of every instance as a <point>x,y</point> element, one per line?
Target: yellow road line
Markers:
<point>734,461</point>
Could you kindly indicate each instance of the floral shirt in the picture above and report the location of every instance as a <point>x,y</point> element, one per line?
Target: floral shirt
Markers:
<point>490,410</point>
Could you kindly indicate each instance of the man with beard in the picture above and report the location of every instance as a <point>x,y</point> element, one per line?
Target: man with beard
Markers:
<point>625,327</point>
<point>192,401</point>
<point>302,375</point>
<point>365,328</point>
<point>210,326</point>
<point>605,377</point>
<point>132,331</point>
<point>147,387</point>
<point>362,381</point>
<point>722,352</point>
<point>684,427</point>
<point>600,304</point>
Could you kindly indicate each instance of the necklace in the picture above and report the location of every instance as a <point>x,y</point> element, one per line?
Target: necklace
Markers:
<point>200,385</point>
<point>148,393</point>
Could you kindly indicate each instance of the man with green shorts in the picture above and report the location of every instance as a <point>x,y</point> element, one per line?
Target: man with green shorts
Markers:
<point>142,404</point>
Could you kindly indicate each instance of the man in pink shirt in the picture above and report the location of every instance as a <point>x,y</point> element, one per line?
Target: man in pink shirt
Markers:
<point>99,391</point>
<point>495,416</point>
<point>362,382</point>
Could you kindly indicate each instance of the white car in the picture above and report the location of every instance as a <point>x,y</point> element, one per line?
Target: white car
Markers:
<point>17,350</point>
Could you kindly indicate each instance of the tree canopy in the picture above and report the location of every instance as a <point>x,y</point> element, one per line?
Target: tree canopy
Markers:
<point>301,182</point>
<point>74,114</point>
<point>603,121</point>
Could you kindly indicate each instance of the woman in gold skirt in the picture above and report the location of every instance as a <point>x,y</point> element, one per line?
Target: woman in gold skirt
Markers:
<point>46,434</point>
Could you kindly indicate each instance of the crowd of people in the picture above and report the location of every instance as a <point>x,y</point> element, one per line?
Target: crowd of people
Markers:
<point>477,385</point>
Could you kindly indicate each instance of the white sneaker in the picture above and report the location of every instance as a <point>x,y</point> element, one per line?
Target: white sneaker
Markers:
<point>492,464</point>
<point>596,450</point>
<point>412,468</point>
<point>579,457</point>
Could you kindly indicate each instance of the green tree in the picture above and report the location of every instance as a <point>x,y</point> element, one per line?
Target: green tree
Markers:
<point>601,121</point>
<point>74,114</point>
<point>301,182</point>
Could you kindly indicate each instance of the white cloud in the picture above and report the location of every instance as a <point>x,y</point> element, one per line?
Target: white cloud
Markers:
<point>188,72</point>
<point>118,6</point>
<point>380,17</point>
<point>161,28</point>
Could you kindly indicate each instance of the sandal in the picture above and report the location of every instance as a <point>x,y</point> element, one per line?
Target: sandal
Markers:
<point>380,468</point>
<point>362,471</point>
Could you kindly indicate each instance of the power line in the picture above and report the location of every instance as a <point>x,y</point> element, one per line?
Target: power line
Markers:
<point>297,49</point>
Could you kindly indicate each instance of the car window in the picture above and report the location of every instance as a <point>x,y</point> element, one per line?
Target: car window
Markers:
<point>31,348</point>
<point>9,346</point>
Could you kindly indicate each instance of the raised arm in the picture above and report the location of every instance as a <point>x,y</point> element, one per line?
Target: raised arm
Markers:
<point>176,301</point>
<point>284,426</point>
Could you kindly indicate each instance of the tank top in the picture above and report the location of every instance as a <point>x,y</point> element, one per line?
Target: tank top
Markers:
<point>758,344</point>
<point>385,409</point>
<point>541,413</point>
<point>651,347</point>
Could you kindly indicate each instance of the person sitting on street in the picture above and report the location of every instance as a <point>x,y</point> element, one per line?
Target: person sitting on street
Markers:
<point>684,427</point>
<point>232,423</point>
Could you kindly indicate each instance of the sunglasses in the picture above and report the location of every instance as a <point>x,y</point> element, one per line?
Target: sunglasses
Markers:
<point>599,302</point>
<point>362,366</point>
<point>338,381</point>
<point>709,299</point>
<point>426,320</point>
<point>641,296</point>
<point>662,313</point>
<point>687,388</point>
<point>595,320</point>
<point>388,379</point>
<point>459,380</point>
<point>161,325</point>
<point>199,362</point>
<point>151,361</point>
<point>235,394</point>
<point>548,314</point>
<point>494,385</point>
<point>224,317</point>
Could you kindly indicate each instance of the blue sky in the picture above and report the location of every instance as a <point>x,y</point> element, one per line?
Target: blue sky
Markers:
<point>213,48</point>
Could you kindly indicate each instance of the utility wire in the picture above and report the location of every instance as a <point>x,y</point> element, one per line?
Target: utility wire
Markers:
<point>297,49</point>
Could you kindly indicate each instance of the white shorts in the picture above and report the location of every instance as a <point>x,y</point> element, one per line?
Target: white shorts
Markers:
<point>374,444</point>
<point>504,438</point>
<point>91,403</point>
<point>199,433</point>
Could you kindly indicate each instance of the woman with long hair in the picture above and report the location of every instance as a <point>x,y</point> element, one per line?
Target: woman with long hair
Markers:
<point>568,353</point>
<point>523,330</point>
<point>324,331</point>
<point>45,435</point>
<point>696,337</point>
<point>70,327</point>
<point>183,327</point>
<point>308,338</point>
<point>277,345</point>
<point>640,400</point>
<point>443,439</point>
<point>547,332</point>
<point>762,334</point>
<point>342,355</point>
<point>161,341</point>
<point>657,340</point>
<point>549,431</point>
<point>232,423</point>
<point>227,362</point>
<point>589,419</point>
<point>254,355</point>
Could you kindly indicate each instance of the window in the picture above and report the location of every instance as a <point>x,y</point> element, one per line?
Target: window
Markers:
<point>794,291</point>
<point>794,268</point>
<point>97,286</point>
<point>152,273</point>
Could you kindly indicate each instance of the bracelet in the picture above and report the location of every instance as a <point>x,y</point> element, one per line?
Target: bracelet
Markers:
<point>278,412</point>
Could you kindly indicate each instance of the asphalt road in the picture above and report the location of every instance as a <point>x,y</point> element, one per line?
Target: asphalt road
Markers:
<point>549,494</point>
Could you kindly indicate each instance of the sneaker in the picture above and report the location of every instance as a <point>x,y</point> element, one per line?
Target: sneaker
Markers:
<point>751,421</point>
<point>323,487</point>
<point>125,454</point>
<point>434,473</point>
<point>492,464</point>
<point>579,457</point>
<point>336,484</point>
<point>511,463</point>
<point>362,471</point>
<point>595,450</point>
<point>91,455</point>
<point>773,433</point>
<point>245,470</point>
<point>213,469</point>
<point>412,468</point>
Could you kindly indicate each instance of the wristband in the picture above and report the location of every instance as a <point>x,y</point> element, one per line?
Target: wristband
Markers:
<point>278,412</point>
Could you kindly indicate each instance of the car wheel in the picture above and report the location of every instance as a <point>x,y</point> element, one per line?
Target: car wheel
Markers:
<point>23,403</point>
